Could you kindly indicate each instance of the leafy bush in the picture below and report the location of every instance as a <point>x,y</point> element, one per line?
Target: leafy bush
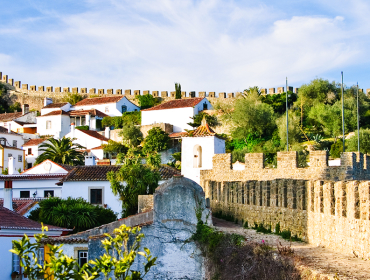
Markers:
<point>73,98</point>
<point>336,149</point>
<point>364,141</point>
<point>83,127</point>
<point>126,119</point>
<point>146,101</point>
<point>197,120</point>
<point>156,141</point>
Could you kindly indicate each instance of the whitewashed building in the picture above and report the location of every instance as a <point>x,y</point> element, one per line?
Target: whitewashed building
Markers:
<point>176,112</point>
<point>198,148</point>
<point>87,138</point>
<point>11,146</point>
<point>31,149</point>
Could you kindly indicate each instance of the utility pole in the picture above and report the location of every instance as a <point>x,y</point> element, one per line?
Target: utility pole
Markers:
<point>287,120</point>
<point>343,113</point>
<point>358,123</point>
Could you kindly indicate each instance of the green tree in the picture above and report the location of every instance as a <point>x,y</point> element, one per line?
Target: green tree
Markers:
<point>126,118</point>
<point>139,179</point>
<point>336,149</point>
<point>197,120</point>
<point>125,242</point>
<point>252,117</point>
<point>73,97</point>
<point>252,91</point>
<point>114,147</point>
<point>364,141</point>
<point>146,101</point>
<point>131,135</point>
<point>278,101</point>
<point>8,102</point>
<point>62,151</point>
<point>156,141</point>
<point>327,118</point>
<point>178,90</point>
<point>74,213</point>
<point>295,133</point>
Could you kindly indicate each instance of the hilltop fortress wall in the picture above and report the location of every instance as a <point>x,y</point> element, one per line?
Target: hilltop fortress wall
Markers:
<point>327,205</point>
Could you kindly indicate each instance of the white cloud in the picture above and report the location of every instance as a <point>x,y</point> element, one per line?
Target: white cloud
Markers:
<point>209,45</point>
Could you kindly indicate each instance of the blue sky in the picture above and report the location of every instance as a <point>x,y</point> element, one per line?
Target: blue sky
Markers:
<point>209,45</point>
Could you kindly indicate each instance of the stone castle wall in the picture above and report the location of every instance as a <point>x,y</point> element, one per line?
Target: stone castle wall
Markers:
<point>326,213</point>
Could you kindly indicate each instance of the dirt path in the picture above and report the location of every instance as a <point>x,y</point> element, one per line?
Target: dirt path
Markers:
<point>321,260</point>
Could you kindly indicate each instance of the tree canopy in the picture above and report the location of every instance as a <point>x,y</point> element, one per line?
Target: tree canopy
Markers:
<point>146,101</point>
<point>197,119</point>
<point>62,151</point>
<point>157,140</point>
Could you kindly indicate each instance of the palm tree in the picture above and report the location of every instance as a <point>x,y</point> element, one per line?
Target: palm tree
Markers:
<point>62,151</point>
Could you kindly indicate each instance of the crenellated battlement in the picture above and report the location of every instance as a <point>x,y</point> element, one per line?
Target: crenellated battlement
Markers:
<point>354,166</point>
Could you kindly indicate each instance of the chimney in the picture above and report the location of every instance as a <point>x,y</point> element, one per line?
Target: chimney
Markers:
<point>47,101</point>
<point>9,128</point>
<point>88,120</point>
<point>8,195</point>
<point>89,160</point>
<point>11,166</point>
<point>25,109</point>
<point>73,129</point>
<point>107,132</point>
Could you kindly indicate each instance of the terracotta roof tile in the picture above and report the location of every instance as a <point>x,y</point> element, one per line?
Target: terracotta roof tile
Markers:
<point>9,116</point>
<point>92,112</point>
<point>94,134</point>
<point>202,131</point>
<point>55,113</point>
<point>12,220</point>
<point>167,172</point>
<point>55,105</point>
<point>34,142</point>
<point>25,177</point>
<point>90,173</point>
<point>22,205</point>
<point>177,103</point>
<point>99,100</point>
<point>177,134</point>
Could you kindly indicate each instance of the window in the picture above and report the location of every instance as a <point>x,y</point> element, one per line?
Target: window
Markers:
<point>197,151</point>
<point>10,155</point>
<point>14,143</point>
<point>96,196</point>
<point>107,109</point>
<point>48,124</point>
<point>29,151</point>
<point>15,263</point>
<point>25,194</point>
<point>40,256</point>
<point>124,108</point>
<point>205,106</point>
<point>82,257</point>
<point>19,158</point>
<point>48,193</point>
<point>29,165</point>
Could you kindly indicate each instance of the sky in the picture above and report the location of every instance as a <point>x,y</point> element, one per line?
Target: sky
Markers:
<point>205,45</point>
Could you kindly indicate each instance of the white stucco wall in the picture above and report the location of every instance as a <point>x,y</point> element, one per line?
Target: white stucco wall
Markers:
<point>15,154</point>
<point>31,158</point>
<point>210,145</point>
<point>65,108</point>
<point>98,153</point>
<point>111,109</point>
<point>85,140</point>
<point>60,125</point>
<point>81,189</point>
<point>46,167</point>
<point>10,137</point>
<point>38,186</point>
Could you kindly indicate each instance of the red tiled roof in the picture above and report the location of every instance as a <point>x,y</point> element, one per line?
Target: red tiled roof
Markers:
<point>22,205</point>
<point>12,220</point>
<point>25,177</point>
<point>167,172</point>
<point>177,103</point>
<point>94,134</point>
<point>90,173</point>
<point>34,142</point>
<point>97,148</point>
<point>9,116</point>
<point>177,134</point>
<point>201,131</point>
<point>55,113</point>
<point>55,105</point>
<point>92,112</point>
<point>99,100</point>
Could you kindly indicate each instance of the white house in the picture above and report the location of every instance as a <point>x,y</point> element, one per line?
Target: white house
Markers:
<point>111,105</point>
<point>20,122</point>
<point>177,112</point>
<point>11,146</point>
<point>87,138</point>
<point>55,124</point>
<point>31,148</point>
<point>198,148</point>
<point>13,227</point>
<point>49,106</point>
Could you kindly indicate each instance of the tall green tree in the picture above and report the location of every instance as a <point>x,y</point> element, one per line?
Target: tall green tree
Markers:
<point>364,141</point>
<point>178,90</point>
<point>62,151</point>
<point>134,179</point>
<point>146,101</point>
<point>131,135</point>
<point>156,141</point>
<point>294,130</point>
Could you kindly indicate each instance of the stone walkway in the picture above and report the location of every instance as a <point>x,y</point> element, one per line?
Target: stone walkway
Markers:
<point>318,259</point>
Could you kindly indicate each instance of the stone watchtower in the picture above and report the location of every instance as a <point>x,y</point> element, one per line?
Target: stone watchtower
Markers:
<point>202,144</point>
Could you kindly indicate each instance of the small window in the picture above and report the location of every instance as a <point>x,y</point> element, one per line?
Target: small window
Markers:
<point>107,109</point>
<point>10,155</point>
<point>15,263</point>
<point>48,124</point>
<point>205,106</point>
<point>135,110</point>
<point>25,194</point>
<point>96,196</point>
<point>48,193</point>
<point>29,165</point>
<point>124,108</point>
<point>19,158</point>
<point>14,143</point>
<point>29,151</point>
<point>40,256</point>
<point>82,257</point>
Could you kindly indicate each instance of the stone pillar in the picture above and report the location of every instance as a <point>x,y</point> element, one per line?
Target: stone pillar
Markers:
<point>127,91</point>
<point>75,90</point>
<point>17,84</point>
<point>137,92</point>
<point>119,91</point>
<point>319,158</point>
<point>33,88</point>
<point>202,94</point>
<point>25,86</point>
<point>155,93</point>
<point>271,90</point>
<point>110,91</point>
<point>280,89</point>
<point>41,88</point>
<point>164,94</point>
<point>11,82</point>
<point>254,160</point>
<point>92,91</point>
<point>222,95</point>
<point>66,89</point>
<point>5,78</point>
<point>84,90</point>
<point>211,94</point>
<point>173,94</point>
<point>49,89</point>
<point>101,91</point>
<point>287,160</point>
<point>230,95</point>
<point>263,91</point>
<point>145,92</point>
<point>58,89</point>
<point>183,94</point>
